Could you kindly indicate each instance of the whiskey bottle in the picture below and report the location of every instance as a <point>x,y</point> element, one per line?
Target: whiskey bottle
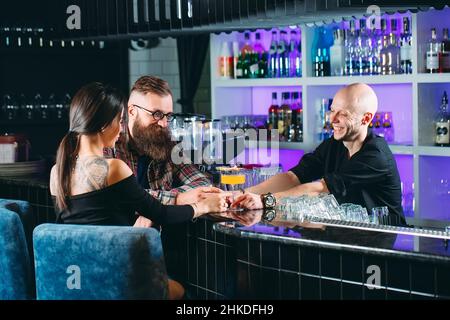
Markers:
<point>442,124</point>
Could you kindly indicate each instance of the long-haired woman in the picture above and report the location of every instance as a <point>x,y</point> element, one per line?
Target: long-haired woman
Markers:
<point>89,189</point>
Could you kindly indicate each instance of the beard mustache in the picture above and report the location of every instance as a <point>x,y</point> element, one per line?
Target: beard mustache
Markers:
<point>153,141</point>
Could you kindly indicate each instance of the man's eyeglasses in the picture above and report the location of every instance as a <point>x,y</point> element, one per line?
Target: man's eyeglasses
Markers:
<point>157,115</point>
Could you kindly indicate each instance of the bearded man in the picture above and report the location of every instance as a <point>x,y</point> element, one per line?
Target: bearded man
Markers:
<point>145,144</point>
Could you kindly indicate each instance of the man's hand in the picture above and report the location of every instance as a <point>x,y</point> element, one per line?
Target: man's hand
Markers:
<point>195,195</point>
<point>248,201</point>
<point>143,222</point>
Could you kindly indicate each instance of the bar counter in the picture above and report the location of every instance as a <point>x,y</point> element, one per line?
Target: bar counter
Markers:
<point>219,258</point>
<point>291,260</point>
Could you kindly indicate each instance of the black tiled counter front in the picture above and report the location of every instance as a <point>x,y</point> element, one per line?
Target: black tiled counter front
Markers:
<point>279,260</point>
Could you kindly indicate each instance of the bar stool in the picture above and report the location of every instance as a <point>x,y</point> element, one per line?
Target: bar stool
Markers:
<point>16,278</point>
<point>85,262</point>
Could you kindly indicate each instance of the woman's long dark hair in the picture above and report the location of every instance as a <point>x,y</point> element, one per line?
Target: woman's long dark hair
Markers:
<point>93,108</point>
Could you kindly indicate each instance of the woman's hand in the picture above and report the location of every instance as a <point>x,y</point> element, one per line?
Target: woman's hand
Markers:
<point>213,202</point>
<point>195,195</point>
<point>143,222</point>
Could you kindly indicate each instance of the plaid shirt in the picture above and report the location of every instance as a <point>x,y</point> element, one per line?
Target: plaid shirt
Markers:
<point>165,179</point>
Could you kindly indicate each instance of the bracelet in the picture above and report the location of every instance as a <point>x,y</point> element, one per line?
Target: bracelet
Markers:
<point>194,206</point>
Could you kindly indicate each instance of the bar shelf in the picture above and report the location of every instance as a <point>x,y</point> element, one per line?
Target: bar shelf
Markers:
<point>413,100</point>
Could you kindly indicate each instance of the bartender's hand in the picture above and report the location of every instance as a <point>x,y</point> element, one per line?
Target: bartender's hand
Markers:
<point>195,195</point>
<point>143,222</point>
<point>248,201</point>
<point>213,202</point>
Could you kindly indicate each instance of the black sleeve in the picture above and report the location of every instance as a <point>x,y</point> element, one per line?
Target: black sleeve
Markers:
<point>132,195</point>
<point>311,166</point>
<point>369,167</point>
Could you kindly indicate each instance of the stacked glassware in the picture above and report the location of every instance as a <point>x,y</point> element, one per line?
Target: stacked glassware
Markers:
<point>325,206</point>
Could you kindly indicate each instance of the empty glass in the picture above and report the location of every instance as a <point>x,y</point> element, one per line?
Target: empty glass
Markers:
<point>355,213</point>
<point>380,215</point>
<point>264,173</point>
<point>214,141</point>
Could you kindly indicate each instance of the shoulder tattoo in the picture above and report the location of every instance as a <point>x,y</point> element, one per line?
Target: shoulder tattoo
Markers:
<point>92,173</point>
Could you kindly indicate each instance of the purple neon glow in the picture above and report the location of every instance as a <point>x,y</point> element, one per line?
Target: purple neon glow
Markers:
<point>434,178</point>
<point>277,231</point>
<point>405,165</point>
<point>264,156</point>
<point>404,242</point>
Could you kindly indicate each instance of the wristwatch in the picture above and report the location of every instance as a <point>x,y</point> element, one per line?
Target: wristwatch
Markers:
<point>269,215</point>
<point>268,200</point>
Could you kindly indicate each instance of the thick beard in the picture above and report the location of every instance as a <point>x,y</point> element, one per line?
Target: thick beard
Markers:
<point>153,141</point>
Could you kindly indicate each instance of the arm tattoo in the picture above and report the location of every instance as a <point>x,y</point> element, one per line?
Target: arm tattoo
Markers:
<point>90,174</point>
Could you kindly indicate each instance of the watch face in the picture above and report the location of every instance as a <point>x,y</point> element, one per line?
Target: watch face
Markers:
<point>270,201</point>
<point>269,215</point>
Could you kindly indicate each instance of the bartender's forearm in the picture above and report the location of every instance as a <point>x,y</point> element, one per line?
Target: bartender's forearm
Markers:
<point>311,188</point>
<point>278,183</point>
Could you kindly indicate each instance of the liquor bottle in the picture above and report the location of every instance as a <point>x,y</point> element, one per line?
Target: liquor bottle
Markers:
<point>240,66</point>
<point>380,40</point>
<point>273,63</point>
<point>350,52</point>
<point>432,53</point>
<point>337,54</point>
<point>298,60</point>
<point>284,115</point>
<point>283,55</point>
<point>377,125</point>
<point>385,57</point>
<point>324,120</point>
<point>382,32</point>
<point>295,58</point>
<point>444,58</point>
<point>287,113</point>
<point>292,129</point>
<point>273,113</point>
<point>253,65</point>
<point>390,55</point>
<point>405,48</point>
<point>295,132</point>
<point>322,54</point>
<point>225,62</point>
<point>247,48</point>
<point>442,123</point>
<point>388,128</point>
<point>362,49</point>
<point>394,47</point>
<point>262,66</point>
<point>373,60</point>
<point>257,46</point>
<point>235,58</point>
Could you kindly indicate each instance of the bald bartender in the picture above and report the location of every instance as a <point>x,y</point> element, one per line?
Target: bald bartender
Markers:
<point>354,165</point>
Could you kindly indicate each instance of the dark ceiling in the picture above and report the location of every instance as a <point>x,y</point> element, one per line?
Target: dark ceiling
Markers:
<point>119,19</point>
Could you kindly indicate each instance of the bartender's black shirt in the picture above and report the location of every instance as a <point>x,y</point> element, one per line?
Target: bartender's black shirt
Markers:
<point>369,178</point>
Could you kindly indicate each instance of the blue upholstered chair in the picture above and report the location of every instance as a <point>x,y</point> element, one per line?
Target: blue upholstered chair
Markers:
<point>16,278</point>
<point>98,262</point>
